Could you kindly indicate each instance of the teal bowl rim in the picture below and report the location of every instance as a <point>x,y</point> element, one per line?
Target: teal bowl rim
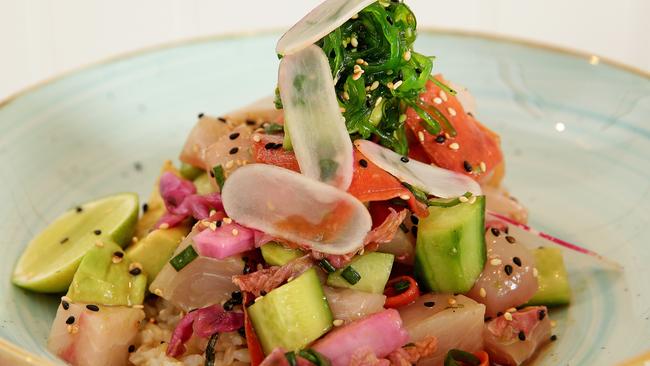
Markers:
<point>21,357</point>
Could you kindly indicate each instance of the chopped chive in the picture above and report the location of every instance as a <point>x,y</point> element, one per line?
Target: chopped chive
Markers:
<point>314,357</point>
<point>456,357</point>
<point>210,350</point>
<point>440,202</point>
<point>327,266</point>
<point>419,194</point>
<point>351,275</point>
<point>291,358</point>
<point>183,258</point>
<point>219,176</point>
<point>401,286</point>
<point>272,128</point>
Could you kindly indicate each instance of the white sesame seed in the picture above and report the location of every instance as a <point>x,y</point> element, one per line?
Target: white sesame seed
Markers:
<point>405,197</point>
<point>482,292</point>
<point>495,262</point>
<point>374,85</point>
<point>390,85</point>
<point>337,322</point>
<point>229,164</point>
<point>138,306</point>
<point>158,292</point>
<point>452,112</point>
<point>257,138</point>
<point>135,265</point>
<point>99,243</point>
<point>134,239</point>
<point>535,272</point>
<point>359,61</point>
<point>451,301</point>
<point>163,226</point>
<point>235,232</point>
<point>378,101</point>
<point>483,166</point>
<point>421,136</point>
<point>356,75</point>
<point>437,100</point>
<point>66,299</point>
<point>227,220</point>
<point>508,316</point>
<point>290,279</point>
<point>454,146</point>
<point>258,298</point>
<point>472,200</point>
<point>511,310</point>
<point>407,55</point>
<point>116,259</point>
<point>463,199</point>
<point>342,110</point>
<point>398,84</point>
<point>355,16</point>
<point>553,323</point>
<point>354,42</point>
<point>443,95</point>
<point>357,68</point>
<point>213,226</point>
<point>346,95</point>
<point>72,329</point>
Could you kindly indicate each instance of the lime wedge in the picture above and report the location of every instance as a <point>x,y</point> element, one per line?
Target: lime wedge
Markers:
<point>52,257</point>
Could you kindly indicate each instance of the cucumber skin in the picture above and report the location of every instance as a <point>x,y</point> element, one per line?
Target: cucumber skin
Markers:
<point>437,266</point>
<point>553,282</point>
<point>292,315</point>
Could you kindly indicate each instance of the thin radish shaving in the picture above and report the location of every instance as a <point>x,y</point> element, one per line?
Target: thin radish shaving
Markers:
<point>313,117</point>
<point>319,22</point>
<point>291,206</point>
<point>431,179</point>
<point>531,237</point>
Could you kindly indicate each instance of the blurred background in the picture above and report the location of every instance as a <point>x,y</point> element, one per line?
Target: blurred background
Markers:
<point>43,38</point>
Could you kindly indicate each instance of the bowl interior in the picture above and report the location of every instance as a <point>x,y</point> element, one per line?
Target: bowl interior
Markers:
<point>575,135</point>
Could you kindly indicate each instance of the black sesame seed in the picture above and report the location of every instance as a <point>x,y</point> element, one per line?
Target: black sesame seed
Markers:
<point>440,139</point>
<point>363,163</point>
<point>78,209</point>
<point>233,151</point>
<point>541,314</point>
<point>233,135</point>
<point>64,240</point>
<point>414,219</point>
<point>236,295</point>
<point>429,304</point>
<point>65,305</point>
<point>521,335</point>
<point>135,271</point>
<point>404,159</point>
<point>487,318</point>
<point>92,307</point>
<point>222,119</point>
<point>137,166</point>
<point>414,231</point>
<point>495,231</point>
<point>467,166</point>
<point>510,239</point>
<point>218,223</point>
<point>404,228</point>
<point>242,331</point>
<point>270,146</point>
<point>119,254</point>
<point>131,348</point>
<point>499,314</point>
<point>201,115</point>
<point>508,269</point>
<point>145,207</point>
<point>516,261</point>
<point>250,122</point>
<point>263,293</point>
<point>97,232</point>
<point>70,320</point>
<point>553,338</point>
<point>211,174</point>
<point>228,305</point>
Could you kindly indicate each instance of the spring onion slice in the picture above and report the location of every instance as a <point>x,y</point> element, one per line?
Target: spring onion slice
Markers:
<point>325,18</point>
<point>219,176</point>
<point>351,275</point>
<point>184,258</point>
<point>433,180</point>
<point>313,118</point>
<point>294,207</point>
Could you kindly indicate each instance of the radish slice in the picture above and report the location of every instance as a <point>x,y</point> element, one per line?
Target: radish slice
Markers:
<point>431,179</point>
<point>293,207</point>
<point>313,116</point>
<point>318,23</point>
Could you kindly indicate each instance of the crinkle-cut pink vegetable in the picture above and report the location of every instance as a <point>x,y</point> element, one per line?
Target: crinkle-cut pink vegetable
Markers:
<point>325,18</point>
<point>431,179</point>
<point>313,118</point>
<point>293,207</point>
<point>182,201</point>
<point>203,323</point>
<point>381,332</point>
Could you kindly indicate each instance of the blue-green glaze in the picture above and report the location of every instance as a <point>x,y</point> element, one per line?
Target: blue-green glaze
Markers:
<point>77,138</point>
